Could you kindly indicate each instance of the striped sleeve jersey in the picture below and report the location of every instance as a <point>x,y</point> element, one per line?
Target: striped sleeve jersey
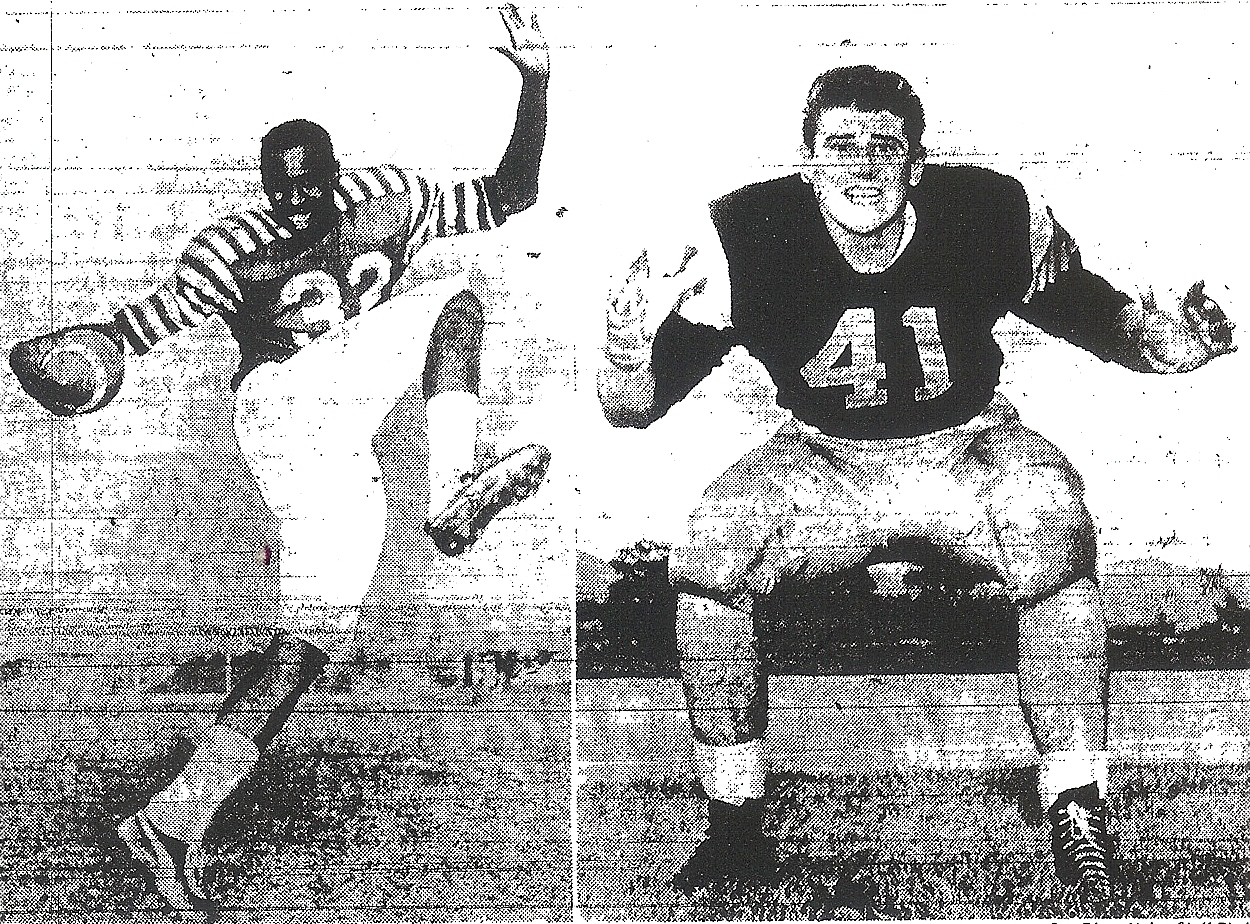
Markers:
<point>276,296</point>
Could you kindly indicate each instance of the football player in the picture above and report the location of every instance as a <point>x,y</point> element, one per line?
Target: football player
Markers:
<point>868,284</point>
<point>305,287</point>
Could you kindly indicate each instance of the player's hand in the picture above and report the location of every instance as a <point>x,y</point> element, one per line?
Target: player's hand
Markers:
<point>72,371</point>
<point>1208,323</point>
<point>528,51</point>
<point>1191,335</point>
<point>646,297</point>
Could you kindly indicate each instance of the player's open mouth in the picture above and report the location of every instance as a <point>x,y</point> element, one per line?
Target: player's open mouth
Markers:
<point>301,221</point>
<point>864,195</point>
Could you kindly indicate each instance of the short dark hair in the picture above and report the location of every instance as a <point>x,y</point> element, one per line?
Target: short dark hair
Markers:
<point>292,134</point>
<point>868,89</point>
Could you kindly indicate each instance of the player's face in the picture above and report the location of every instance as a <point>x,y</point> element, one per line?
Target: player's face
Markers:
<point>301,192</point>
<point>861,168</point>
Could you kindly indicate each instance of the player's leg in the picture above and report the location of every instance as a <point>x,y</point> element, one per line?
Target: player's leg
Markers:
<point>322,583</point>
<point>779,509</point>
<point>463,497</point>
<point>1047,549</point>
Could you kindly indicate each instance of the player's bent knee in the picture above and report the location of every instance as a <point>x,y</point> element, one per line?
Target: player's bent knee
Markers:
<point>461,321</point>
<point>1046,535</point>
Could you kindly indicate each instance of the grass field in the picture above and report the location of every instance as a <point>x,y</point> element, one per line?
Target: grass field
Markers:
<point>385,799</point>
<point>924,845</point>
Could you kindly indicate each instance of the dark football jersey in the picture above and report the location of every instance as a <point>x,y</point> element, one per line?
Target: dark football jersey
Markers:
<point>276,297</point>
<point>899,353</point>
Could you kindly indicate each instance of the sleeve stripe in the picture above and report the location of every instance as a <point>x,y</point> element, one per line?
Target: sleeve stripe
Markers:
<point>263,227</point>
<point>221,247</point>
<point>168,310</point>
<point>462,225</point>
<point>138,316</point>
<point>244,234</point>
<point>490,188</point>
<point>201,277</point>
<point>393,179</point>
<point>373,184</point>
<point>422,212</point>
<point>137,343</point>
<point>483,216</point>
<point>353,187</point>
<point>194,308</point>
<point>438,212</point>
<point>216,274</point>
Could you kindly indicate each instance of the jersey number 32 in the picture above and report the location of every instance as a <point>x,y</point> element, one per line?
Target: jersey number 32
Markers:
<point>319,298</point>
<point>856,335</point>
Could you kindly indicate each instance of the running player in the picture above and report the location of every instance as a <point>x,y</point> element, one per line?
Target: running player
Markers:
<point>868,285</point>
<point>305,286</point>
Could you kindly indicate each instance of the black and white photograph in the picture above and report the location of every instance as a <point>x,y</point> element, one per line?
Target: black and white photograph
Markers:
<point>289,634</point>
<point>915,580</point>
<point>651,462</point>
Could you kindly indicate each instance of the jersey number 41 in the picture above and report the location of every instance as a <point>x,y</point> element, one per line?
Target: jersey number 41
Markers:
<point>850,357</point>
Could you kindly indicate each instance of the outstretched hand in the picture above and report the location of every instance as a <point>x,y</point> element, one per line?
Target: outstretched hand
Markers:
<point>1189,336</point>
<point>644,300</point>
<point>1207,321</point>
<point>528,51</point>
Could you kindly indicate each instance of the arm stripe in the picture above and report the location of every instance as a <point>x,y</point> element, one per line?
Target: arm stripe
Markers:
<point>353,187</point>
<point>199,276</point>
<point>262,227</point>
<point>483,213</point>
<point>216,275</point>
<point>462,223</point>
<point>393,179</point>
<point>372,182</point>
<point>138,317</point>
<point>221,247</point>
<point>166,310</point>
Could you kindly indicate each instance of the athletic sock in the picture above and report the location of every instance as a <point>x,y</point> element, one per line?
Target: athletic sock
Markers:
<point>731,773</point>
<point>184,808</point>
<point>1060,771</point>
<point>451,428</point>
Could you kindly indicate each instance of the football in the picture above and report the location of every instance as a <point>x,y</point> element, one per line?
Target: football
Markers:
<point>72,371</point>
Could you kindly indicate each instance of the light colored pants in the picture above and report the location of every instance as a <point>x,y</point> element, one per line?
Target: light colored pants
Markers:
<point>305,427</point>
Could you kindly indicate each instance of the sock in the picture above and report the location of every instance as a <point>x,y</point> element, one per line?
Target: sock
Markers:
<point>1060,771</point>
<point>733,773</point>
<point>451,426</point>
<point>184,808</point>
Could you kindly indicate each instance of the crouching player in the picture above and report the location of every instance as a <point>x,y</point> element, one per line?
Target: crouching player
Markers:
<point>868,285</point>
<point>305,285</point>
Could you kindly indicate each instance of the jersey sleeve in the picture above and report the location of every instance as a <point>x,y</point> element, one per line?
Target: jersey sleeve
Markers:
<point>201,285</point>
<point>1068,301</point>
<point>683,355</point>
<point>695,338</point>
<point>449,209</point>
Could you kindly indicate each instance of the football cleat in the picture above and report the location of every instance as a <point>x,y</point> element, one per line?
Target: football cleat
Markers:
<point>734,850</point>
<point>175,868</point>
<point>1078,836</point>
<point>510,480</point>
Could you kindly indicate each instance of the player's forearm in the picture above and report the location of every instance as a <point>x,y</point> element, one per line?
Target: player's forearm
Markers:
<point>627,396</point>
<point>517,176</point>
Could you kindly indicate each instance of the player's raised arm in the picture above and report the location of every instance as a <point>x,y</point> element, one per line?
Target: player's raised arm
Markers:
<point>654,354</point>
<point>1146,334</point>
<point>517,176</point>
